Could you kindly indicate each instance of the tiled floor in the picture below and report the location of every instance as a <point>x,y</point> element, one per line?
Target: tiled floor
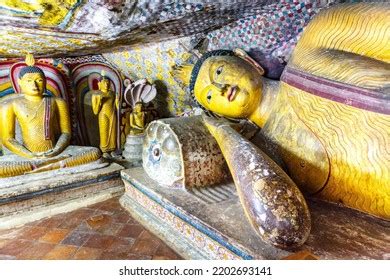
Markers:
<point>101,231</point>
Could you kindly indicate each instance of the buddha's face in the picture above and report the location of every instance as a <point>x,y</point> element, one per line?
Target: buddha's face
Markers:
<point>32,84</point>
<point>104,85</point>
<point>228,86</point>
<point>138,108</point>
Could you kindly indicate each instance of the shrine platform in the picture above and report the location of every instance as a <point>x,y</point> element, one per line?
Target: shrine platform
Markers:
<point>210,224</point>
<point>31,197</point>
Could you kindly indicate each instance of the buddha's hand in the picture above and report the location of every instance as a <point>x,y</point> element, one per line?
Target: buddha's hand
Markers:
<point>52,153</point>
<point>96,103</point>
<point>46,154</point>
<point>39,155</point>
<point>62,143</point>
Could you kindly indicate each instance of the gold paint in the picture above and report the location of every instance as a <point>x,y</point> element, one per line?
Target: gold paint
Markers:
<point>302,152</point>
<point>39,41</point>
<point>29,110</point>
<point>104,105</point>
<point>340,151</point>
<point>134,67</point>
<point>183,73</point>
<point>358,146</point>
<point>356,39</point>
<point>30,61</point>
<point>223,77</point>
<point>185,56</point>
<point>137,120</point>
<point>52,12</point>
<point>171,53</point>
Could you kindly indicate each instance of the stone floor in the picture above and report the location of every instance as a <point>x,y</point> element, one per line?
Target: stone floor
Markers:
<point>102,231</point>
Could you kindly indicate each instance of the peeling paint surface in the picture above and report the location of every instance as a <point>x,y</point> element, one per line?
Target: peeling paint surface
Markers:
<point>179,152</point>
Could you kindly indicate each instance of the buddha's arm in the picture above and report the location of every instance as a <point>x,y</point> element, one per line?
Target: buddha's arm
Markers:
<point>9,141</point>
<point>141,120</point>
<point>348,68</point>
<point>96,103</point>
<point>136,121</point>
<point>117,105</point>
<point>349,44</point>
<point>132,120</point>
<point>65,128</point>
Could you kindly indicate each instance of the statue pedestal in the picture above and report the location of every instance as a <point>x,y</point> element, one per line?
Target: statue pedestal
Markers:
<point>133,150</point>
<point>32,197</point>
<point>210,224</point>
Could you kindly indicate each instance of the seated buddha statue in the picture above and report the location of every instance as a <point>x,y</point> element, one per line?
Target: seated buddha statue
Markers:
<point>137,95</point>
<point>328,118</point>
<point>137,119</point>
<point>45,129</point>
<point>104,104</point>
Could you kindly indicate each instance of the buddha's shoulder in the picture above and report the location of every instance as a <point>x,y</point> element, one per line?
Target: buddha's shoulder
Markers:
<point>11,99</point>
<point>56,99</point>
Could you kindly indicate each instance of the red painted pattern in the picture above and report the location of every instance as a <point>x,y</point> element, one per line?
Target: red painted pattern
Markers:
<point>366,99</point>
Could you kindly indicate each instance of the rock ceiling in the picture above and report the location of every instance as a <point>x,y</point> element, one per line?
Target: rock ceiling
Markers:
<point>76,27</point>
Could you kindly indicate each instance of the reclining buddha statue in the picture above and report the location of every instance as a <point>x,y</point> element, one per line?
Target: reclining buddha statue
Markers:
<point>327,118</point>
<point>45,129</point>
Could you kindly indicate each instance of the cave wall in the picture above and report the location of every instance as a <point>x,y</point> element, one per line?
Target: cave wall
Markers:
<point>57,28</point>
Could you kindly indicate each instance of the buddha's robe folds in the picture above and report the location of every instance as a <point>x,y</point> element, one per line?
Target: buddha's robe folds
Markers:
<point>44,127</point>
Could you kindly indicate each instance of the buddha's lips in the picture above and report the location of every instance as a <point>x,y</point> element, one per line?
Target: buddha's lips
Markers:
<point>232,92</point>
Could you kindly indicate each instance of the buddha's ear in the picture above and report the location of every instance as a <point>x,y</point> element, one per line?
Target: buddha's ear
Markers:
<point>242,54</point>
<point>183,73</point>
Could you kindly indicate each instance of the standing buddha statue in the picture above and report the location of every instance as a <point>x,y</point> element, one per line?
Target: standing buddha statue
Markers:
<point>104,104</point>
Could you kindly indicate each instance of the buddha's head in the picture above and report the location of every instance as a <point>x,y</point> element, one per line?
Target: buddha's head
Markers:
<point>138,108</point>
<point>32,79</point>
<point>104,84</point>
<point>225,82</point>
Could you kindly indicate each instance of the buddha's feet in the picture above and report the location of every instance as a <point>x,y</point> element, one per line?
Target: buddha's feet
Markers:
<point>13,165</point>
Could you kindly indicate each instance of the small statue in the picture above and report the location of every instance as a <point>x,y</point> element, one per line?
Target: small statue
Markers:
<point>45,129</point>
<point>105,104</point>
<point>136,95</point>
<point>137,119</point>
<point>328,117</point>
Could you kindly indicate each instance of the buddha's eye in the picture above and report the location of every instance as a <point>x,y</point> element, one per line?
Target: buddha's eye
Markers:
<point>209,96</point>
<point>219,70</point>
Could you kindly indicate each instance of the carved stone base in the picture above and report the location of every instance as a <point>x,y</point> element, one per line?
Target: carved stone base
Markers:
<point>210,224</point>
<point>133,150</point>
<point>27,201</point>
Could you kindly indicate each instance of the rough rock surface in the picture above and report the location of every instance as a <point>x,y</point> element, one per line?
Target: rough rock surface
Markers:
<point>50,27</point>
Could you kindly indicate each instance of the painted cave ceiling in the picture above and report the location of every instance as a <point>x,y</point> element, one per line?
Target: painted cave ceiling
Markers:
<point>75,27</point>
